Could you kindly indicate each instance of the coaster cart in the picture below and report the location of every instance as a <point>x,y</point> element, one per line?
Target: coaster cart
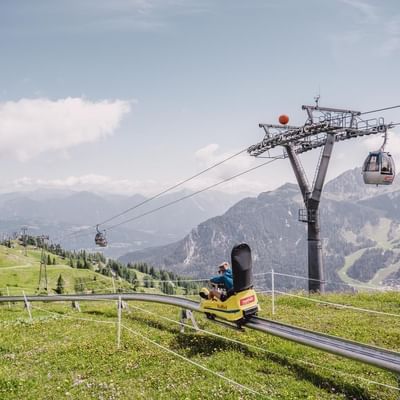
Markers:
<point>241,303</point>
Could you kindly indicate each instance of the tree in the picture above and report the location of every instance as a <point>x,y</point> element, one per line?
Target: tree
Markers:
<point>168,287</point>
<point>60,285</point>
<point>135,285</point>
<point>31,241</point>
<point>146,281</point>
<point>79,285</point>
<point>48,260</point>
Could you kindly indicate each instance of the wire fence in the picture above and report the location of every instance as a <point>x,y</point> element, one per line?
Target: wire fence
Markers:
<point>153,283</point>
<point>274,292</point>
<point>339,305</point>
<point>248,345</point>
<point>120,326</point>
<point>325,281</point>
<point>260,287</point>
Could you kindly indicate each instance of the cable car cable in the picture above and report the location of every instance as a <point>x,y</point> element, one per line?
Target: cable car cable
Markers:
<point>195,176</point>
<point>172,187</point>
<point>194,193</point>
<point>190,195</point>
<point>158,194</point>
<point>380,109</point>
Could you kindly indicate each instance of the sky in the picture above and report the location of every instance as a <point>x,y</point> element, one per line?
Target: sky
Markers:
<point>132,96</point>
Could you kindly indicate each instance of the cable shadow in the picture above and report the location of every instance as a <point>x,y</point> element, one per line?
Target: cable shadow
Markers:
<point>154,324</point>
<point>205,345</point>
<point>108,314</point>
<point>195,344</point>
<point>339,387</point>
<point>202,344</point>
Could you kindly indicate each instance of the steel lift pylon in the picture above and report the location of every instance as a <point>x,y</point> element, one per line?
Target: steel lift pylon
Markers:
<point>324,126</point>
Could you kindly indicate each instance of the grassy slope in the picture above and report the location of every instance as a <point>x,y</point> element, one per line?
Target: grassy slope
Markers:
<point>56,357</point>
<point>21,273</point>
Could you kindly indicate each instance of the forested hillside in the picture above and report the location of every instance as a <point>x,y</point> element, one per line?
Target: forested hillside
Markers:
<point>353,219</point>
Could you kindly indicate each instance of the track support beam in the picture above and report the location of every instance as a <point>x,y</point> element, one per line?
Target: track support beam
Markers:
<point>187,315</point>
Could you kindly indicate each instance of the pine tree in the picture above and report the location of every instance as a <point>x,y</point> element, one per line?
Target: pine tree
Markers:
<point>60,285</point>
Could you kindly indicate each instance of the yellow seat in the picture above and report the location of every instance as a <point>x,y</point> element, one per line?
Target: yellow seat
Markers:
<point>236,307</point>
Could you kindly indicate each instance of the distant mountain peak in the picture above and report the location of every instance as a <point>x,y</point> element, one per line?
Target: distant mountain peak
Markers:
<point>350,185</point>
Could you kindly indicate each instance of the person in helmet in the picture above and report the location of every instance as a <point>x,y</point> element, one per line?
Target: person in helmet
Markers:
<point>224,279</point>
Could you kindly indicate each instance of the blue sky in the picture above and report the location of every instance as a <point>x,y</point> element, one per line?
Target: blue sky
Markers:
<point>131,96</point>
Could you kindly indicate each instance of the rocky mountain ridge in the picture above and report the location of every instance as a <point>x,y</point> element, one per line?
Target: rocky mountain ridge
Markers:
<point>353,218</point>
<point>59,213</point>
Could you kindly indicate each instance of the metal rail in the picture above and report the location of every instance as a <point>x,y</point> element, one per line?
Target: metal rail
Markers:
<point>153,298</point>
<point>386,359</point>
<point>378,357</point>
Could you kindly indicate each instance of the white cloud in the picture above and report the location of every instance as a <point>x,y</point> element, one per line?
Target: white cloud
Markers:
<point>130,15</point>
<point>206,157</point>
<point>209,155</point>
<point>373,25</point>
<point>146,8</point>
<point>367,11</point>
<point>392,145</point>
<point>29,127</point>
<point>249,182</point>
<point>392,30</point>
<point>89,182</point>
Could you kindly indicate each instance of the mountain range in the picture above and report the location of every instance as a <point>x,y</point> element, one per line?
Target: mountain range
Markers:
<point>354,218</point>
<point>192,236</point>
<point>61,214</point>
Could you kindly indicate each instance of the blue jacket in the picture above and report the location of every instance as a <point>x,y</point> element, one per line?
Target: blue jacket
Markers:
<point>226,279</point>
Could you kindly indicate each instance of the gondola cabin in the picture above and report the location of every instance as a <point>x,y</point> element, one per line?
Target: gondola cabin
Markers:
<point>378,168</point>
<point>241,303</point>
<point>100,239</point>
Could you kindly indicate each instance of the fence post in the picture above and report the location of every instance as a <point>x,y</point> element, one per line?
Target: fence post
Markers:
<point>8,294</point>
<point>119,322</point>
<point>183,318</point>
<point>113,284</point>
<point>273,291</point>
<point>124,305</point>
<point>76,306</point>
<point>28,306</point>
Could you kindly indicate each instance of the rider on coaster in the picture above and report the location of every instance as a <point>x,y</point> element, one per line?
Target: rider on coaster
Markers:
<point>224,279</point>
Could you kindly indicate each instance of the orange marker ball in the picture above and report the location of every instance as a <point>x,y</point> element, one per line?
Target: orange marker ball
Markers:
<point>283,119</point>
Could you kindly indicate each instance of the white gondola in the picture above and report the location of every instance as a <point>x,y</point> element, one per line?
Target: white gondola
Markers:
<point>100,238</point>
<point>379,168</point>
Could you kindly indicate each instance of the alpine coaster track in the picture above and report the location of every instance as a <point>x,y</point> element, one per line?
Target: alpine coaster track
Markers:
<point>382,358</point>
